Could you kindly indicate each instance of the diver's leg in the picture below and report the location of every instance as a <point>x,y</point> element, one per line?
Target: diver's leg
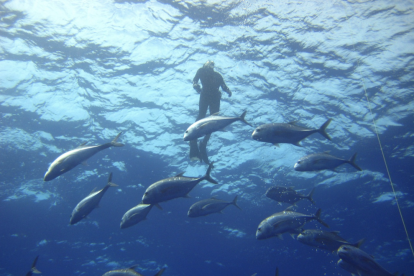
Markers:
<point>203,149</point>
<point>202,106</point>
<point>202,110</point>
<point>214,106</point>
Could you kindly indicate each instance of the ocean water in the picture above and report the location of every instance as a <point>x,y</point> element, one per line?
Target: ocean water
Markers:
<point>82,71</point>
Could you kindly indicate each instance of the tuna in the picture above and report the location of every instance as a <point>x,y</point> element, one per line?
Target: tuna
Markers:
<point>323,161</point>
<point>129,272</point>
<point>329,241</point>
<point>286,133</point>
<point>89,203</point>
<point>135,215</point>
<point>174,187</point>
<point>285,222</point>
<point>209,206</point>
<point>361,262</point>
<point>287,195</point>
<point>71,159</point>
<point>211,124</point>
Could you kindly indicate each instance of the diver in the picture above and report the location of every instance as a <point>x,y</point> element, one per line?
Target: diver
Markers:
<point>210,96</point>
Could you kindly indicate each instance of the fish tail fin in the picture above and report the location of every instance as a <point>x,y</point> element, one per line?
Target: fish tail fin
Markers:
<point>358,243</point>
<point>234,202</point>
<point>243,120</point>
<point>207,176</point>
<point>114,143</point>
<point>34,269</point>
<point>110,184</point>
<point>322,129</point>
<point>310,196</point>
<point>160,272</point>
<point>318,218</point>
<point>351,161</point>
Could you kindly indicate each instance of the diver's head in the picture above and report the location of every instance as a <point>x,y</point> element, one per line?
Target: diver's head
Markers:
<point>209,65</point>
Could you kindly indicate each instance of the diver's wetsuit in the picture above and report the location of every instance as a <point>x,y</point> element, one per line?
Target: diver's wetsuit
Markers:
<point>210,96</point>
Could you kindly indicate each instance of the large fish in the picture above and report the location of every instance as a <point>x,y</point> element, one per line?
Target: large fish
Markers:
<point>209,206</point>
<point>287,194</point>
<point>286,133</point>
<point>209,125</point>
<point>285,222</point>
<point>89,203</point>
<point>362,262</point>
<point>128,272</point>
<point>135,215</point>
<point>330,241</point>
<point>323,161</point>
<point>33,269</point>
<point>71,159</point>
<point>174,187</point>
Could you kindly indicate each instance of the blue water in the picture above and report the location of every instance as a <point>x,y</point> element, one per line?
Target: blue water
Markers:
<point>82,71</point>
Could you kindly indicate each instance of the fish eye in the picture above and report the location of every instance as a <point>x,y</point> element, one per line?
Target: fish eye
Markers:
<point>258,129</point>
<point>259,229</point>
<point>299,162</point>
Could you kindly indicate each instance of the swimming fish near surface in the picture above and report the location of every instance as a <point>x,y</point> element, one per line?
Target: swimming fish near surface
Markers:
<point>211,124</point>
<point>287,194</point>
<point>129,272</point>
<point>135,215</point>
<point>285,222</point>
<point>209,206</point>
<point>174,187</point>
<point>286,133</point>
<point>361,262</point>
<point>323,161</point>
<point>71,159</point>
<point>329,241</point>
<point>86,205</point>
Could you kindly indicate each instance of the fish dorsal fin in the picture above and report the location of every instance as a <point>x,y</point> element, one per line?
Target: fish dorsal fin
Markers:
<point>133,268</point>
<point>293,123</point>
<point>94,190</point>
<point>289,209</point>
<point>326,151</point>
<point>81,145</point>
<point>213,197</point>
<point>215,114</point>
<point>180,174</point>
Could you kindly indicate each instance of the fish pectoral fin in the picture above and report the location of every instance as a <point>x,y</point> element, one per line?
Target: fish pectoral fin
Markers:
<point>94,189</point>
<point>276,145</point>
<point>187,196</point>
<point>292,235</point>
<point>158,206</point>
<point>81,145</point>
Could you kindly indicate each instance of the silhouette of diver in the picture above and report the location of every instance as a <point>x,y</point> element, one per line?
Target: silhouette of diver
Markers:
<point>209,98</point>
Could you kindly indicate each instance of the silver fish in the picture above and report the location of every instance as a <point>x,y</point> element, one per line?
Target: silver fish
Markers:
<point>86,205</point>
<point>135,215</point>
<point>129,272</point>
<point>361,261</point>
<point>285,222</point>
<point>287,194</point>
<point>323,161</point>
<point>174,187</point>
<point>209,206</point>
<point>71,159</point>
<point>209,125</point>
<point>330,241</point>
<point>286,133</point>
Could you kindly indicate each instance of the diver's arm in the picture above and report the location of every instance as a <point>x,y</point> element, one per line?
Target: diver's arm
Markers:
<point>224,87</point>
<point>196,86</point>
